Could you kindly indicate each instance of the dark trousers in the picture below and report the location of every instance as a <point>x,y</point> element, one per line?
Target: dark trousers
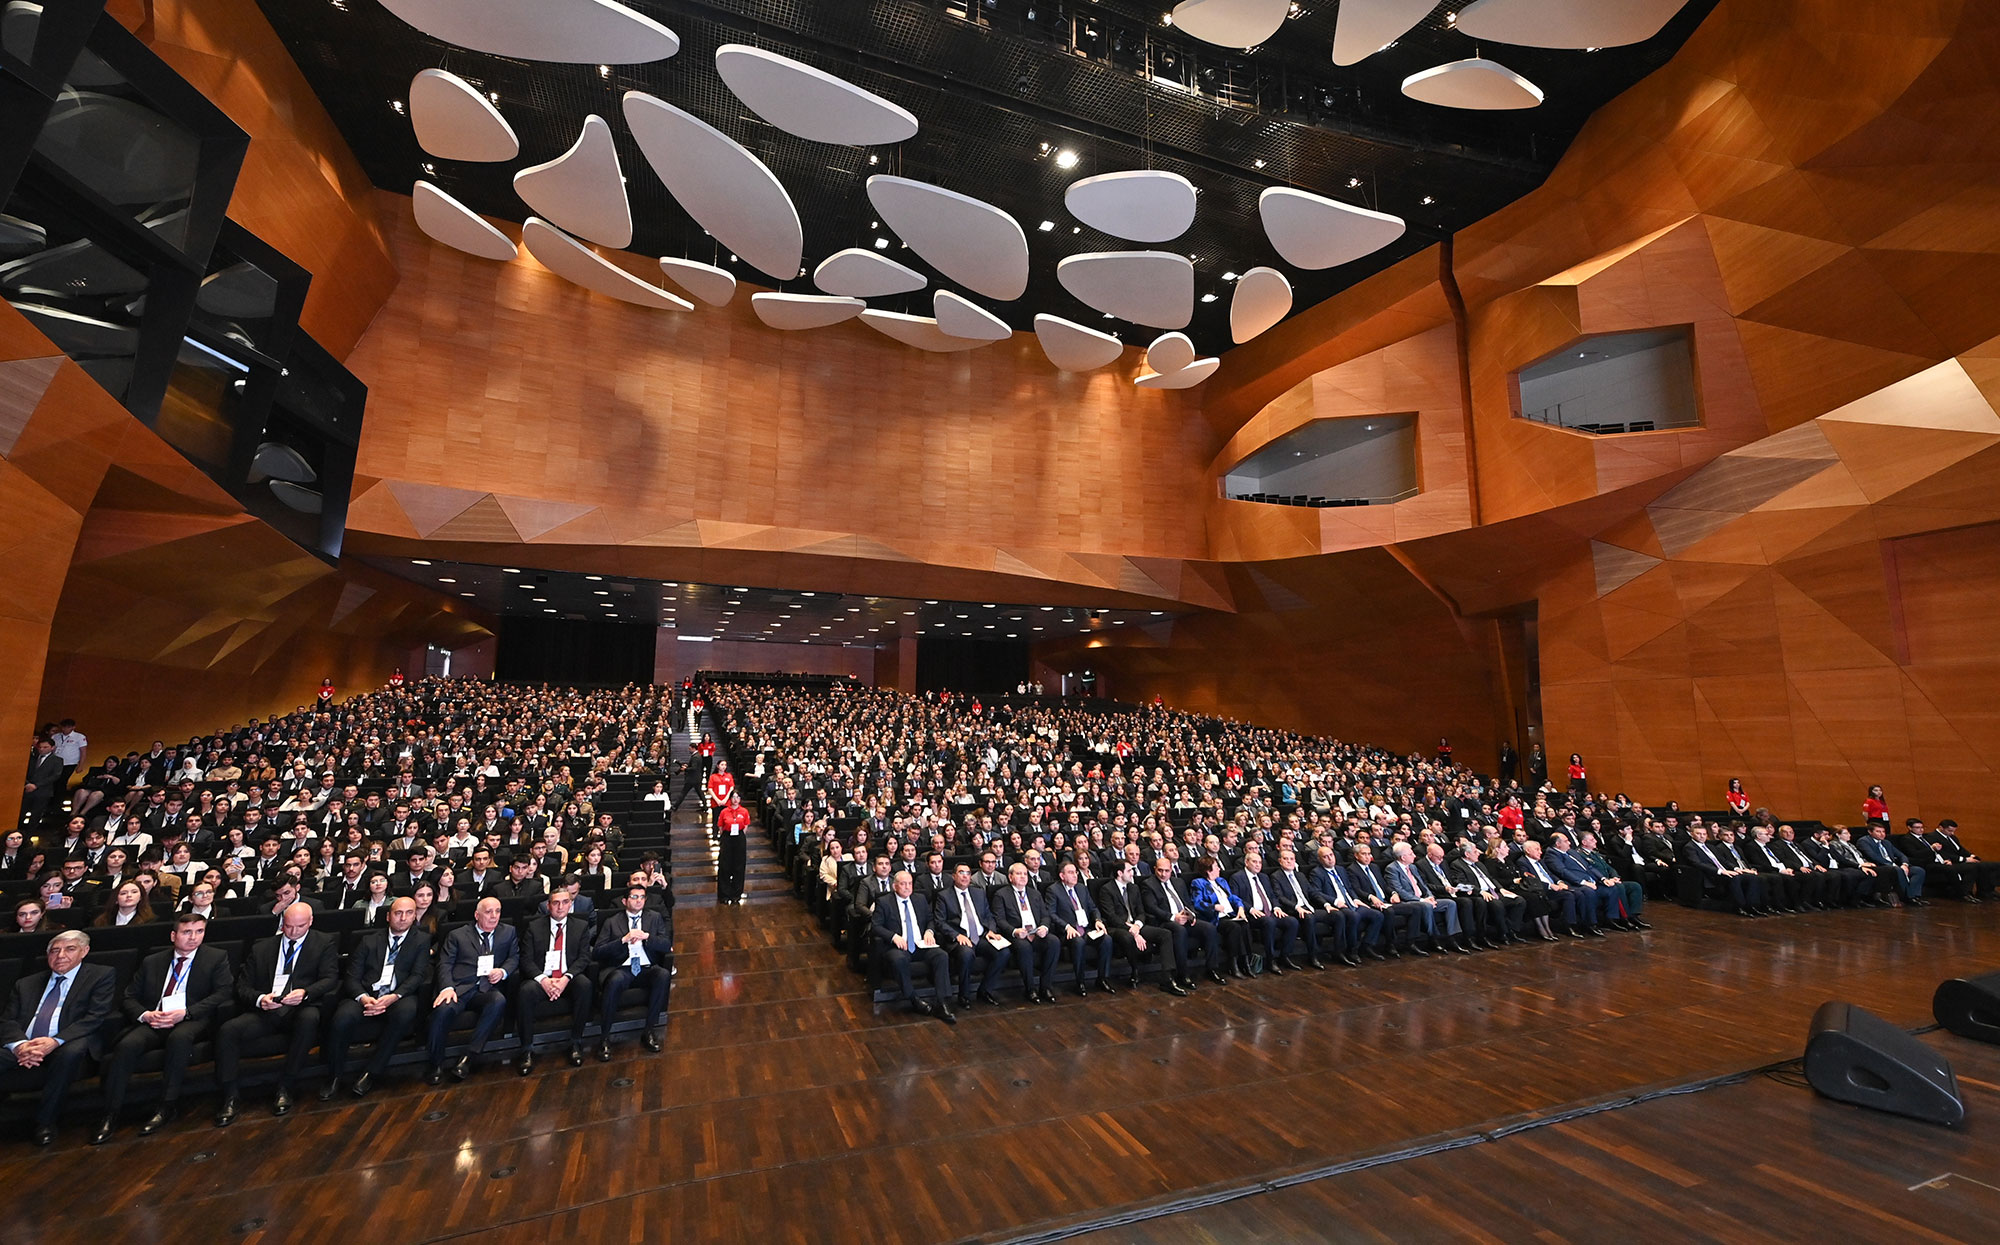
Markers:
<point>1036,959</point>
<point>64,1064</point>
<point>142,1040</point>
<point>898,961</point>
<point>1486,916</point>
<point>730,866</point>
<point>1416,920</point>
<point>387,1030</point>
<point>299,1024</point>
<point>531,1003</point>
<point>491,1005</point>
<point>1275,932</point>
<point>1098,949</point>
<point>1316,925</point>
<point>981,960</point>
<point>655,979</point>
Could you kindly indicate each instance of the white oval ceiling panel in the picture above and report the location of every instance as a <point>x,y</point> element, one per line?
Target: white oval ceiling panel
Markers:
<point>717,181</point>
<point>1312,231</point>
<point>1263,297</point>
<point>1145,287</point>
<point>801,100</point>
<point>858,273</point>
<point>1232,23</point>
<point>958,316</point>
<point>580,32</point>
<point>1475,83</point>
<point>804,311</point>
<point>972,242</point>
<point>577,263</point>
<point>1367,26</point>
<point>1142,205</point>
<point>710,284</point>
<point>454,121</point>
<point>1564,23</point>
<point>456,225</point>
<point>1186,378</point>
<point>919,331</point>
<point>1170,352</point>
<point>1074,348</point>
<point>583,189</point>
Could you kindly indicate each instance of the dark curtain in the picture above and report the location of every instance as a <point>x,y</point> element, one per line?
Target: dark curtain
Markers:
<point>954,664</point>
<point>557,650</point>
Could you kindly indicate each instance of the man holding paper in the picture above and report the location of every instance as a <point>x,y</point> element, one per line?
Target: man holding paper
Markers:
<point>1075,921</point>
<point>903,933</point>
<point>284,983</point>
<point>477,958</point>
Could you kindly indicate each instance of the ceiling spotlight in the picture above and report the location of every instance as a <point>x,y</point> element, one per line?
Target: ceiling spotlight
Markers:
<point>1076,228</point>
<point>1352,182</point>
<point>494,96</point>
<point>874,159</point>
<point>1257,163</point>
<point>1208,298</point>
<point>430,168</point>
<point>397,104</point>
<point>1428,200</point>
<point>1048,226</point>
<point>604,71</point>
<point>1066,159</point>
<point>419,562</point>
<point>511,570</point>
<point>443,580</point>
<point>881,244</point>
<point>1228,276</point>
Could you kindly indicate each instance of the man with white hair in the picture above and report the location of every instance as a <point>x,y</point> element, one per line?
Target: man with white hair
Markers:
<point>54,1021</point>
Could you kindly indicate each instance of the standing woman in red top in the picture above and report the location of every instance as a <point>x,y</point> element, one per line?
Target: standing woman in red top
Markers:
<point>1444,752</point>
<point>1739,803</point>
<point>1579,785</point>
<point>326,691</point>
<point>1875,808</point>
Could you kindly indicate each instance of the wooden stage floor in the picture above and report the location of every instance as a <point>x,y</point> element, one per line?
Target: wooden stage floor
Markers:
<point>787,1108</point>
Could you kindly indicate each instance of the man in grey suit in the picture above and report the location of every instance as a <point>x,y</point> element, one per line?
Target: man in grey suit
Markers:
<point>55,1021</point>
<point>477,958</point>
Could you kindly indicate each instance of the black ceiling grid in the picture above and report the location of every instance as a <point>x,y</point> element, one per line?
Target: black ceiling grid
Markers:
<point>989,92</point>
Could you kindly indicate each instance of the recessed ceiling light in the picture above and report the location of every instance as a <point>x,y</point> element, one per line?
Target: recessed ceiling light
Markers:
<point>874,159</point>
<point>595,579</point>
<point>548,611</point>
<point>443,580</point>
<point>604,71</point>
<point>465,594</point>
<point>881,244</point>
<point>1228,276</point>
<point>418,562</point>
<point>930,603</point>
<point>670,584</point>
<point>1066,159</point>
<point>1258,163</point>
<point>1048,226</point>
<point>739,590</point>
<point>1157,613</point>
<point>1428,200</point>
<point>511,570</point>
<point>397,104</point>
<point>1208,298</point>
<point>1076,228</point>
<point>540,600</point>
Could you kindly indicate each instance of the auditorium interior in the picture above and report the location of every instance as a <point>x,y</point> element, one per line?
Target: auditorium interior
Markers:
<point>1000,620</point>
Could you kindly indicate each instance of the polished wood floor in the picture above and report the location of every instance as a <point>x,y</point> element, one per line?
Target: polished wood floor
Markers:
<point>787,1108</point>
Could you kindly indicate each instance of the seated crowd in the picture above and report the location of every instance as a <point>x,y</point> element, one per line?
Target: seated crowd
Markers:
<point>410,862</point>
<point>975,840</point>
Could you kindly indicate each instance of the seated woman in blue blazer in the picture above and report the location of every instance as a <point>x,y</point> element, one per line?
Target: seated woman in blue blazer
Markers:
<point>1215,901</point>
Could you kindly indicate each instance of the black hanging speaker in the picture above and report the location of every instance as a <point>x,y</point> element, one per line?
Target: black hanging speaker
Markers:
<point>1853,1055</point>
<point>1970,1007</point>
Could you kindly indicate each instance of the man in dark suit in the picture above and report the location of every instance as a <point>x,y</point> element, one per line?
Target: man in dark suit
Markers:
<point>45,772</point>
<point>53,1023</point>
<point>343,890</point>
<point>558,953</point>
<point>1166,905</point>
<point>1501,910</point>
<point>479,878</point>
<point>1292,897</point>
<point>417,871</point>
<point>388,982</point>
<point>1075,920</point>
<point>1473,928</point>
<point>1596,906</point>
<point>522,882</point>
<point>861,911</point>
<point>285,982</point>
<point>476,960</point>
<point>1414,918</point>
<point>1907,878</point>
<point>176,1000</point>
<point>964,923</point>
<point>1725,880</point>
<point>1123,911</point>
<point>904,931</point>
<point>1837,843</point>
<point>1358,926</point>
<point>1794,890</point>
<point>1021,915</point>
<point>1274,927</point>
<point>635,944</point>
<point>1982,876</point>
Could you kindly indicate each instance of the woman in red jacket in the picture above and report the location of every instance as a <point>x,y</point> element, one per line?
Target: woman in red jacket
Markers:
<point>1579,785</point>
<point>1875,808</point>
<point>1739,803</point>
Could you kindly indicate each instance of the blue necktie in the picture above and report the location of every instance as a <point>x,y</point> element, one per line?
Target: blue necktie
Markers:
<point>45,1015</point>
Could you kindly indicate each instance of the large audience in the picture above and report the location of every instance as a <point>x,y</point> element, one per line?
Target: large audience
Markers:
<point>1038,842</point>
<point>410,860</point>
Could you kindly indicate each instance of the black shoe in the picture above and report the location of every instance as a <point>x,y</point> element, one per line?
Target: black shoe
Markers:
<point>103,1133</point>
<point>159,1119</point>
<point>281,1104</point>
<point>1550,938</point>
<point>1174,988</point>
<point>328,1090</point>
<point>1576,933</point>
<point>1350,959</point>
<point>1291,964</point>
<point>945,1013</point>
<point>461,1067</point>
<point>604,1051</point>
<point>44,1137</point>
<point>362,1084</point>
<point>1594,932</point>
<point>1104,984</point>
<point>1217,978</point>
<point>1414,949</point>
<point>1376,953</point>
<point>435,1076</point>
<point>1458,947</point>
<point>921,1007</point>
<point>989,998</point>
<point>1187,984</point>
<point>1276,967</point>
<point>1317,963</point>
<point>225,1115</point>
<point>576,1056</point>
<point>1048,995</point>
<point>1638,924</point>
<point>651,1041</point>
<point>1079,989</point>
<point>526,1063</point>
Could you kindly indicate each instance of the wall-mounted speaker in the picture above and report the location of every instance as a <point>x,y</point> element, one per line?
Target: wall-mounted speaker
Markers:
<point>1853,1055</point>
<point>1970,1007</point>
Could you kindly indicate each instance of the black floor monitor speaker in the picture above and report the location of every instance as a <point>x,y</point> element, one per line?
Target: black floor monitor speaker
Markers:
<point>1970,1007</point>
<point>1853,1055</point>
